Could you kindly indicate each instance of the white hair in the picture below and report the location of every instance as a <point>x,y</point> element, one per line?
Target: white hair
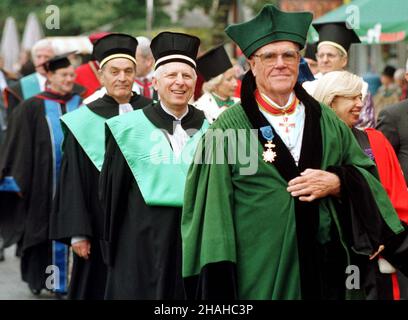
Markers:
<point>406,66</point>
<point>159,71</point>
<point>337,83</point>
<point>399,74</point>
<point>212,84</point>
<point>41,44</point>
<point>143,45</point>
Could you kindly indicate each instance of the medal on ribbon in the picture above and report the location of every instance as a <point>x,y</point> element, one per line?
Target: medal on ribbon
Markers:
<point>268,155</point>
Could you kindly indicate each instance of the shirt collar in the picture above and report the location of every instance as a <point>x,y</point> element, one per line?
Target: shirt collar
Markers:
<point>290,100</point>
<point>167,110</point>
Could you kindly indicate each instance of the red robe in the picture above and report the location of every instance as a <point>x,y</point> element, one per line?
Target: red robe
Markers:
<point>393,181</point>
<point>86,76</point>
<point>390,172</point>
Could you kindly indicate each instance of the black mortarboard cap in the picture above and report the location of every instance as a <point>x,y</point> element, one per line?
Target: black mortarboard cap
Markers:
<point>213,63</point>
<point>58,62</point>
<point>338,33</point>
<point>310,51</point>
<point>305,74</point>
<point>115,45</point>
<point>175,47</point>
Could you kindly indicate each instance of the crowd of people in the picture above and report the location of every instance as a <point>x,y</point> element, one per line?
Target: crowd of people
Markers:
<point>267,184</point>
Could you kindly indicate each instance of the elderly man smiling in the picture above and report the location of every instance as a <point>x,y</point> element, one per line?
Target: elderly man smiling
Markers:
<point>142,180</point>
<point>282,233</point>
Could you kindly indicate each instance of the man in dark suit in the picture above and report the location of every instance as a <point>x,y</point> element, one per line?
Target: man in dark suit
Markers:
<point>392,121</point>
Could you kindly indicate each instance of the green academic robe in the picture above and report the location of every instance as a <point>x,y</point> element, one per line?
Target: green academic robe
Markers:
<point>244,235</point>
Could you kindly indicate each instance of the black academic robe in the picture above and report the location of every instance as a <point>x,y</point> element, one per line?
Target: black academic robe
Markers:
<point>13,95</point>
<point>143,243</point>
<point>380,286</point>
<point>78,211</point>
<point>27,155</point>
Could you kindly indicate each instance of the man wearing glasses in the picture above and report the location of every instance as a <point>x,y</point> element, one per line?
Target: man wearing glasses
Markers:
<point>284,228</point>
<point>335,40</point>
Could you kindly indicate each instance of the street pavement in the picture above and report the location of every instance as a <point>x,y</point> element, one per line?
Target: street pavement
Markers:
<point>11,285</point>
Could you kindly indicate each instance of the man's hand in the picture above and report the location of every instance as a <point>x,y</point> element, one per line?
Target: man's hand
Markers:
<point>82,248</point>
<point>314,184</point>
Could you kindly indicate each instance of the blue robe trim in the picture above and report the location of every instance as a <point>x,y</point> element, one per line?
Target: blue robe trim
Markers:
<point>9,184</point>
<point>30,86</point>
<point>53,113</point>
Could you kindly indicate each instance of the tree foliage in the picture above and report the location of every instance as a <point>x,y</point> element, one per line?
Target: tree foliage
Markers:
<point>84,16</point>
<point>220,11</point>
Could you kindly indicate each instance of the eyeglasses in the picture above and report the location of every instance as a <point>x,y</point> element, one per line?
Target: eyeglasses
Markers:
<point>271,58</point>
<point>358,98</point>
<point>329,56</point>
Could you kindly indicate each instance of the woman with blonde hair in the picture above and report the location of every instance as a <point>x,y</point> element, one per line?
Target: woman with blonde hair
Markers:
<point>341,91</point>
<point>221,83</point>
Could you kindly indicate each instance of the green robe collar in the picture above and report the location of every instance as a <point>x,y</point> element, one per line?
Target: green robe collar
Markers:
<point>88,129</point>
<point>87,124</point>
<point>160,175</point>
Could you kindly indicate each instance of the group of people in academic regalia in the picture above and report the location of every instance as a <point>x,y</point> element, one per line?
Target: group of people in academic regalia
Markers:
<point>270,196</point>
<point>30,166</point>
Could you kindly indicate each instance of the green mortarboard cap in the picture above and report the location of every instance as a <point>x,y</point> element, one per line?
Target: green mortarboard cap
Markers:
<point>268,26</point>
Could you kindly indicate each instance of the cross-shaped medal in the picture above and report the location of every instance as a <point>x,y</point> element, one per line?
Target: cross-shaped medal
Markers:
<point>286,124</point>
<point>269,145</point>
<point>269,155</point>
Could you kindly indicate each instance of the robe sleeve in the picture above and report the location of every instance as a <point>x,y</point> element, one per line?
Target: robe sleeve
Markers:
<point>114,184</point>
<point>209,248</point>
<point>396,251</point>
<point>16,155</point>
<point>71,216</point>
<point>366,213</point>
<point>11,98</point>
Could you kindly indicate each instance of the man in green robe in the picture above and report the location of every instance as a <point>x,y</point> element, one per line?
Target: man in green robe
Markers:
<point>281,203</point>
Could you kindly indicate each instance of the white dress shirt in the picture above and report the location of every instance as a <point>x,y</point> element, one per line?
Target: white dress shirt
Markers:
<point>125,108</point>
<point>288,127</point>
<point>179,137</point>
<point>41,80</point>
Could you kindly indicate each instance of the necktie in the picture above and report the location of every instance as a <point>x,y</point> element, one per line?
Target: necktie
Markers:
<point>146,88</point>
